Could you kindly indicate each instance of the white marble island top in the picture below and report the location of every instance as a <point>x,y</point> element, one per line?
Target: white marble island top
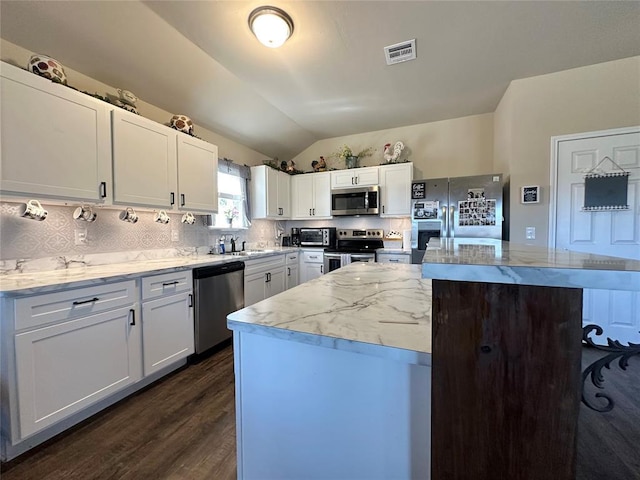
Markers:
<point>495,261</point>
<point>373,308</point>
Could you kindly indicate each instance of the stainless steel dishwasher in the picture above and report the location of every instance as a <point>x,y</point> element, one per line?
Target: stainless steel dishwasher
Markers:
<point>218,290</point>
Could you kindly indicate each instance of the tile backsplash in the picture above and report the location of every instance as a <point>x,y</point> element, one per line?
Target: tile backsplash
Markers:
<point>22,238</point>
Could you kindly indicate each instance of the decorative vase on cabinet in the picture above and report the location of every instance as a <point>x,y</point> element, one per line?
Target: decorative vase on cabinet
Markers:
<point>351,161</point>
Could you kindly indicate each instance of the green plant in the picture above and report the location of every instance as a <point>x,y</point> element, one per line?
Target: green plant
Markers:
<point>346,151</point>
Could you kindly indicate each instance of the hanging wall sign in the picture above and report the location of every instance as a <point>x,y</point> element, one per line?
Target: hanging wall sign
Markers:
<point>608,191</point>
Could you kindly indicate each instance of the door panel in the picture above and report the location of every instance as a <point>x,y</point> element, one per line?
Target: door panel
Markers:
<point>614,233</point>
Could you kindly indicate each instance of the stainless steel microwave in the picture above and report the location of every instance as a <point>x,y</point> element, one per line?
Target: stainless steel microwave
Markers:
<point>355,201</point>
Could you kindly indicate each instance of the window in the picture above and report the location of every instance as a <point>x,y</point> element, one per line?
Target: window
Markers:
<point>232,201</point>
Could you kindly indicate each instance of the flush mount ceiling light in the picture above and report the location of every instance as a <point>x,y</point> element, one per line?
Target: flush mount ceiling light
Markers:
<point>271,25</point>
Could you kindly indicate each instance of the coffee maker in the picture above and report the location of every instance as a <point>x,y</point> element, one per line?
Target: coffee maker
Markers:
<point>295,237</point>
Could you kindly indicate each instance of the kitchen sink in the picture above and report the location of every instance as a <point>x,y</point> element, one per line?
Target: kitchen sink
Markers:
<point>248,253</point>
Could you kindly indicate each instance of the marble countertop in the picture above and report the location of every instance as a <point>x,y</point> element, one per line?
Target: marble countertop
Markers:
<point>374,308</point>
<point>78,273</point>
<point>495,261</point>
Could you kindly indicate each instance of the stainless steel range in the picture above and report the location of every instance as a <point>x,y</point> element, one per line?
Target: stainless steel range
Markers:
<point>353,245</point>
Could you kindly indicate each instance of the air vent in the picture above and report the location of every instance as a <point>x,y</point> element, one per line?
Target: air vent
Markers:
<point>400,52</point>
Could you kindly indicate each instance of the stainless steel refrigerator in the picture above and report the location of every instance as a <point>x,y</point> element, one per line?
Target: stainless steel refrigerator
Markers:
<point>464,207</point>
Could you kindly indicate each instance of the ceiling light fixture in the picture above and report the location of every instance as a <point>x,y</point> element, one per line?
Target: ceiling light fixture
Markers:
<point>271,26</point>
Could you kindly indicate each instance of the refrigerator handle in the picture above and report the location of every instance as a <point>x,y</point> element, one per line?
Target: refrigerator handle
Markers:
<point>452,225</point>
<point>445,222</point>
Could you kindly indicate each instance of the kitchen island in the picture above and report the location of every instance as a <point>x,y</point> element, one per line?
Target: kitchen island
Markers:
<point>326,388</point>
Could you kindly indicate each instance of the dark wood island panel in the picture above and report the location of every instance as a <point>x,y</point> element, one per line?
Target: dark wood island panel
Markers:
<point>505,381</point>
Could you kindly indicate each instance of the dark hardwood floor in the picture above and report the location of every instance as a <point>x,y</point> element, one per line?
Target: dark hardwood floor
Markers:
<point>183,427</point>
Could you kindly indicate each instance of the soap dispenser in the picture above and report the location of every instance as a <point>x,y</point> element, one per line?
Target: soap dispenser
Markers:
<point>222,250</point>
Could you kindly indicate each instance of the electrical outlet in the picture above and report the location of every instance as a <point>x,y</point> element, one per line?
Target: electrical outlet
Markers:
<point>530,233</point>
<point>175,235</point>
<point>80,235</point>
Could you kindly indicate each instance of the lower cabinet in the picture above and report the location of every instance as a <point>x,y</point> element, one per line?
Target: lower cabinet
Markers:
<point>311,264</point>
<point>263,278</point>
<point>167,319</point>
<point>292,278</point>
<point>63,368</point>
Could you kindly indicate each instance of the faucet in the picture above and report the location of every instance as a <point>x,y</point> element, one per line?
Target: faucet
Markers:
<point>233,244</point>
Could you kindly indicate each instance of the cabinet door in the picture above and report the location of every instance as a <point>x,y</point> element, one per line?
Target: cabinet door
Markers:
<point>284,195</point>
<point>292,278</point>
<point>393,258</point>
<point>302,195</point>
<point>167,331</point>
<point>144,161</point>
<point>366,176</point>
<point>276,282</point>
<point>395,185</point>
<point>197,175</point>
<point>254,288</point>
<point>343,178</point>
<point>272,193</point>
<point>310,271</point>
<point>322,195</point>
<point>55,142</point>
<point>63,368</point>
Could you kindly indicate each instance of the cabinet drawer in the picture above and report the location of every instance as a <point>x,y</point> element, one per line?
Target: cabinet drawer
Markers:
<point>63,305</point>
<point>393,258</point>
<point>292,258</point>
<point>263,264</point>
<point>164,284</point>
<point>313,257</point>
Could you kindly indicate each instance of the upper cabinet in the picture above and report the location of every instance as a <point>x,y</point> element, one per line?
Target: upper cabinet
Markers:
<point>270,193</point>
<point>61,144</point>
<point>354,177</point>
<point>197,175</point>
<point>55,141</point>
<point>311,196</point>
<point>144,161</point>
<point>395,189</point>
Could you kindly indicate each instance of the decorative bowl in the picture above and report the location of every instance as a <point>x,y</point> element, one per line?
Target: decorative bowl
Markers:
<point>182,123</point>
<point>48,67</point>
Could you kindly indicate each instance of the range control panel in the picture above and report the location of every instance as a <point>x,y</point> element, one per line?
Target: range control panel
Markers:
<point>354,234</point>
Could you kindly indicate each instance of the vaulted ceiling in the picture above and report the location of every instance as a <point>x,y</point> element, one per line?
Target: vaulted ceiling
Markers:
<point>330,79</point>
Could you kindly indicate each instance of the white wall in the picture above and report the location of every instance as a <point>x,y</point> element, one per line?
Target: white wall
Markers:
<point>597,97</point>
<point>456,147</point>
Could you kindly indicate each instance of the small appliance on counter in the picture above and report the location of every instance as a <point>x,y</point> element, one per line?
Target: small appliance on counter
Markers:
<point>295,237</point>
<point>318,237</point>
<point>286,241</point>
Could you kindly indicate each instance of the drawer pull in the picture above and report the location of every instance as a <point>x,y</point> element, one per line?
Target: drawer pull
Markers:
<point>82,302</point>
<point>168,284</point>
<point>191,300</point>
<point>133,317</point>
<point>394,260</point>
<point>313,256</point>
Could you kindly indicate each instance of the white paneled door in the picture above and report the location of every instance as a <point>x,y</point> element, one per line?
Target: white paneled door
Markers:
<point>614,233</point>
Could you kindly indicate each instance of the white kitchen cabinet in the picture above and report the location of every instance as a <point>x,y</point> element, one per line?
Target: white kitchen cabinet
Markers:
<point>393,257</point>
<point>144,161</point>
<point>197,175</point>
<point>292,270</point>
<point>354,177</point>
<point>311,264</point>
<point>270,193</point>
<point>167,319</point>
<point>395,189</point>
<point>56,142</point>
<point>311,196</point>
<point>71,349</point>
<point>263,278</point>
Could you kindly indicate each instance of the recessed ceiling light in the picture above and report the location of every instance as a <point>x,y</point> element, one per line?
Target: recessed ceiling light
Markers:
<point>271,25</point>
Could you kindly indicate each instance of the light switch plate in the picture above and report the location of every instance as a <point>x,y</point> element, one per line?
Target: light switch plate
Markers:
<point>80,236</point>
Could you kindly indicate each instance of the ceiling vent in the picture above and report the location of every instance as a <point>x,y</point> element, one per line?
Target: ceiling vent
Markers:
<point>400,52</point>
